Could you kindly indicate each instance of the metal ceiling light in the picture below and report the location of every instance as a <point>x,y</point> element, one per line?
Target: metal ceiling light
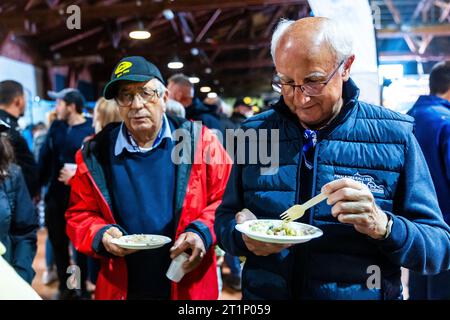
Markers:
<point>212,95</point>
<point>175,64</point>
<point>140,33</point>
<point>195,51</point>
<point>205,89</point>
<point>194,79</point>
<point>168,14</point>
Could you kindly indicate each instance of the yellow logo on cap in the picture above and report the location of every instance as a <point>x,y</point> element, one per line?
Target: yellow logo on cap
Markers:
<point>122,68</point>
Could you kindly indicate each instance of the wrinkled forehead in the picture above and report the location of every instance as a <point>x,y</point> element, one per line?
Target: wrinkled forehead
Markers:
<point>302,57</point>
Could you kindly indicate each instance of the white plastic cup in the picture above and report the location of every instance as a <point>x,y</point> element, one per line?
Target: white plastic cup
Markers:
<point>176,270</point>
<point>70,166</point>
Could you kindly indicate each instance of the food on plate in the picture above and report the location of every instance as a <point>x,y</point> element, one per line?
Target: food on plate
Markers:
<point>142,239</point>
<point>281,228</point>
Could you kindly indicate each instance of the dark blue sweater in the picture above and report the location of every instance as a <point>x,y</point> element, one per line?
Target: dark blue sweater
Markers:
<point>61,145</point>
<point>432,130</point>
<point>143,187</point>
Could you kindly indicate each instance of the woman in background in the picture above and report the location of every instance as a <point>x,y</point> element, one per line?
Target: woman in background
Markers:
<point>18,219</point>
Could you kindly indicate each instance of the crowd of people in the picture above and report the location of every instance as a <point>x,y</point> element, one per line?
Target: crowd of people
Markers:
<point>121,172</point>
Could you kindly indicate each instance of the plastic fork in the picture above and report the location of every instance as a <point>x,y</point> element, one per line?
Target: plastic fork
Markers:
<point>298,210</point>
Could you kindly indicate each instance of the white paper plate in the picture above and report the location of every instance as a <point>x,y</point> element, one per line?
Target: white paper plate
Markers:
<point>261,236</point>
<point>145,241</point>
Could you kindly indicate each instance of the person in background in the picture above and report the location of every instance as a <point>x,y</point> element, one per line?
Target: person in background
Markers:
<point>242,110</point>
<point>182,90</point>
<point>65,136</point>
<point>105,112</point>
<point>12,107</point>
<point>18,219</point>
<point>176,109</point>
<point>432,115</point>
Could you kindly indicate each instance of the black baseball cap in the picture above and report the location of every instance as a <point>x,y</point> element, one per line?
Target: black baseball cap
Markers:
<point>69,95</point>
<point>134,68</point>
<point>242,102</point>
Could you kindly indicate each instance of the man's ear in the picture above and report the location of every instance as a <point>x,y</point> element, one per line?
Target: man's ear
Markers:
<point>347,67</point>
<point>18,101</point>
<point>165,98</point>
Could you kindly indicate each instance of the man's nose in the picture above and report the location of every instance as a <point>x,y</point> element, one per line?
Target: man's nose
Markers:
<point>300,97</point>
<point>138,102</point>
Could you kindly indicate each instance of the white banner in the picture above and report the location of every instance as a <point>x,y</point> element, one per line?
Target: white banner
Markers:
<point>356,18</point>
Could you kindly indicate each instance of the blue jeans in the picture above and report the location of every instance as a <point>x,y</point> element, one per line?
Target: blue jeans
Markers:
<point>49,259</point>
<point>234,264</point>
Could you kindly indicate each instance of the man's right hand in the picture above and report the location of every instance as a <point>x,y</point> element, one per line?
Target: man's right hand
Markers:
<point>112,248</point>
<point>259,248</point>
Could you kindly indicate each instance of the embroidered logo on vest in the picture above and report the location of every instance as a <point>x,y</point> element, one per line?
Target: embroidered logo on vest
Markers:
<point>364,179</point>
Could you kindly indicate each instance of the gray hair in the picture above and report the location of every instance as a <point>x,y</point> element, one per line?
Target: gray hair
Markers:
<point>175,108</point>
<point>160,87</point>
<point>333,33</point>
<point>181,79</point>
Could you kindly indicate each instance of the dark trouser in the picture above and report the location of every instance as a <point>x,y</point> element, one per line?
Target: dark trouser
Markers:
<point>56,226</point>
<point>234,264</point>
<point>436,287</point>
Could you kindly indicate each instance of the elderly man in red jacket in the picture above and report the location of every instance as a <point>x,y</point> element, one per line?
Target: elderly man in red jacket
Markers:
<point>133,178</point>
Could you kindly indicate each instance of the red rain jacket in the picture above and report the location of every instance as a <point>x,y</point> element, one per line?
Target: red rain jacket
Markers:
<point>199,190</point>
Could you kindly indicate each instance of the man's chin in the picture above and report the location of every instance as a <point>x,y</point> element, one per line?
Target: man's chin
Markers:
<point>307,120</point>
<point>141,127</point>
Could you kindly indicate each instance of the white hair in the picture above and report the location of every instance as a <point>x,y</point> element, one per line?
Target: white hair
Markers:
<point>175,108</point>
<point>278,32</point>
<point>160,87</point>
<point>339,39</point>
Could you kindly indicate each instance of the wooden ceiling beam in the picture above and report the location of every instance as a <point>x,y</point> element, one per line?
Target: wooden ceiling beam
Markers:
<point>208,25</point>
<point>440,30</point>
<point>394,12</point>
<point>76,38</point>
<point>407,56</point>
<point>143,7</point>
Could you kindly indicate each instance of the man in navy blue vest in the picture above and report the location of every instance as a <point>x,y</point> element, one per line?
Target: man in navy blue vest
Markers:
<point>381,213</point>
<point>432,115</point>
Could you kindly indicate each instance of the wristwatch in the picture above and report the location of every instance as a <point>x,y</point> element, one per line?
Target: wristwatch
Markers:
<point>388,227</point>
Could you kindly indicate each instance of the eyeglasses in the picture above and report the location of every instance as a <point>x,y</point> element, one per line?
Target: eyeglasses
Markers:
<point>308,89</point>
<point>125,99</point>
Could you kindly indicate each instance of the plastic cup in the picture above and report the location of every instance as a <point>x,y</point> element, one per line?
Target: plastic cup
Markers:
<point>176,270</point>
<point>70,166</point>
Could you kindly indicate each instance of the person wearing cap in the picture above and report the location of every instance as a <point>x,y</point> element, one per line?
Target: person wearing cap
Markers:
<point>12,107</point>
<point>18,219</point>
<point>65,136</point>
<point>242,110</point>
<point>129,181</point>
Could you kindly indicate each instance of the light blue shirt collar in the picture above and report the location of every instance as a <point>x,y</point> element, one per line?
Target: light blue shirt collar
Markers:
<point>126,141</point>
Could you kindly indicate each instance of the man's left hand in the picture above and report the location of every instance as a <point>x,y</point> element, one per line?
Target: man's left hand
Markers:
<point>189,240</point>
<point>353,203</point>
